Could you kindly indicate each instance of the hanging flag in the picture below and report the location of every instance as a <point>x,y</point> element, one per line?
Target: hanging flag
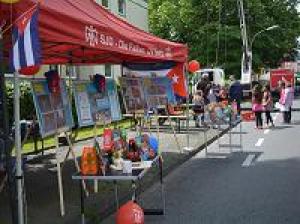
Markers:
<point>26,49</point>
<point>174,71</point>
<point>178,80</point>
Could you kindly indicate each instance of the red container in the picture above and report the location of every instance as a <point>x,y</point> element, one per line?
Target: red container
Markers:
<point>248,115</point>
<point>108,142</point>
<point>89,161</point>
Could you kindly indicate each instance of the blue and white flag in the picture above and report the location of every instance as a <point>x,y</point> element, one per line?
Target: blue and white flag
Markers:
<point>26,49</point>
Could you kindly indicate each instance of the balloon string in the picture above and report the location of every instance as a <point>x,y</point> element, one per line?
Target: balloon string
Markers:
<point>20,17</point>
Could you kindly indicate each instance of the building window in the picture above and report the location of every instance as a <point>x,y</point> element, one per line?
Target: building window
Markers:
<point>105,3</point>
<point>108,72</point>
<point>122,7</point>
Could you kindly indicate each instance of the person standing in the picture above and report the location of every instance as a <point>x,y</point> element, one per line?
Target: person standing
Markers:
<point>281,87</point>
<point>257,106</point>
<point>286,101</point>
<point>204,86</point>
<point>223,95</point>
<point>268,105</point>
<point>198,108</point>
<point>211,96</point>
<point>236,92</point>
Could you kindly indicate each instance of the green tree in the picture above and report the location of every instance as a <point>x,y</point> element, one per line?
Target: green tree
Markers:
<point>211,29</point>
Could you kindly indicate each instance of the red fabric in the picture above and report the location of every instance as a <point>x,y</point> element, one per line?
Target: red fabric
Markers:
<point>82,32</point>
<point>281,75</point>
<point>178,80</point>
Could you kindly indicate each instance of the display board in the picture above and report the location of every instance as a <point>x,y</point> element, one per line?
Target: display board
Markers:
<point>143,94</point>
<point>158,91</point>
<point>92,106</point>
<point>133,95</point>
<point>53,110</point>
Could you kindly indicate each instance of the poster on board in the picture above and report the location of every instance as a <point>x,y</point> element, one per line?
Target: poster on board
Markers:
<point>133,95</point>
<point>158,91</point>
<point>53,110</point>
<point>141,94</point>
<point>92,106</point>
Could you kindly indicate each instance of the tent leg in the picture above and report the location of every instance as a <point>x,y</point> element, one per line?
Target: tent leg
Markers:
<point>19,173</point>
<point>7,144</point>
<point>59,179</point>
<point>188,147</point>
<point>96,185</point>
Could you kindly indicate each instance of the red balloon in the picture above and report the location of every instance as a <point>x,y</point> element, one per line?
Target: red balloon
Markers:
<point>130,213</point>
<point>193,66</point>
<point>30,70</point>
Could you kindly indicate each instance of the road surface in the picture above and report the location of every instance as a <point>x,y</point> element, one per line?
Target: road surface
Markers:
<point>259,184</point>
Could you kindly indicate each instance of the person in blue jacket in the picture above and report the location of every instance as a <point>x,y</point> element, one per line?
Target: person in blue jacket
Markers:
<point>236,92</point>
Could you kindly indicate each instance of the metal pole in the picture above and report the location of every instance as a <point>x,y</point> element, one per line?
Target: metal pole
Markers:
<point>5,136</point>
<point>19,174</point>
<point>188,113</point>
<point>116,195</point>
<point>82,204</point>
<point>187,148</point>
<point>241,135</point>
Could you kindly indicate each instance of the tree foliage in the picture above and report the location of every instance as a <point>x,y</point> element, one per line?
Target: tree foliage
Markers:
<point>212,31</point>
<point>27,111</point>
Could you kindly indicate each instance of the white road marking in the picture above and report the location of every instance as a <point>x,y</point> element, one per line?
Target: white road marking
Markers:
<point>266,131</point>
<point>259,142</point>
<point>249,159</point>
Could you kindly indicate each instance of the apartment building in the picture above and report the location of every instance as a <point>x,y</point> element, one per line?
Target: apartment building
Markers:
<point>136,13</point>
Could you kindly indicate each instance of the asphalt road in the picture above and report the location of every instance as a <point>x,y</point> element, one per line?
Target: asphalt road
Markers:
<point>258,184</point>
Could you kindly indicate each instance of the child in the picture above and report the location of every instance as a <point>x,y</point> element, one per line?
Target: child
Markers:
<point>268,105</point>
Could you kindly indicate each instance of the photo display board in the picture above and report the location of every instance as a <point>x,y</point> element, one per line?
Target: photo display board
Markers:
<point>94,107</point>
<point>133,95</point>
<point>53,110</point>
<point>144,93</point>
<point>158,91</point>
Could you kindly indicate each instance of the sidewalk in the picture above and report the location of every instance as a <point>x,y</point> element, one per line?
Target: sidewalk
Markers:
<point>41,184</point>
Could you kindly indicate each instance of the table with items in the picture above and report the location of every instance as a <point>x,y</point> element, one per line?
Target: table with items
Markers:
<point>116,160</point>
<point>115,176</point>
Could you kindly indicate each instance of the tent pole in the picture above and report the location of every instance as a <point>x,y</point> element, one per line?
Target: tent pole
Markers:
<point>5,136</point>
<point>19,174</point>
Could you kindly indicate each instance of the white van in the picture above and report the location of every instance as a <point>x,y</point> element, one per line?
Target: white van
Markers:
<point>215,75</point>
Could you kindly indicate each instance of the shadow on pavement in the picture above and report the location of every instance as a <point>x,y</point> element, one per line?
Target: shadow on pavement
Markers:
<point>281,127</point>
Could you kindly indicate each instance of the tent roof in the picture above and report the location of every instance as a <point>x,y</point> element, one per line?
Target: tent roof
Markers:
<point>82,32</point>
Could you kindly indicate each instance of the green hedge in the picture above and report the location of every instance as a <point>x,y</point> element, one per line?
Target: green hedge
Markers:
<point>27,110</point>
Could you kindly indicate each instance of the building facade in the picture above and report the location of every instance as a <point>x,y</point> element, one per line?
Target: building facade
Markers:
<point>133,11</point>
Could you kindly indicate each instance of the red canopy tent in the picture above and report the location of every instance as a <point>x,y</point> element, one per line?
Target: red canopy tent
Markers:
<point>82,32</point>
